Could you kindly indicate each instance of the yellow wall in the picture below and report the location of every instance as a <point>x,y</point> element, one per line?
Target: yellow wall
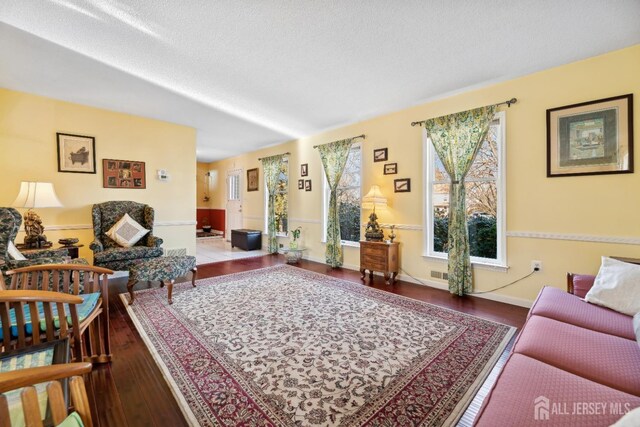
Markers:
<point>28,126</point>
<point>605,205</point>
<point>202,185</point>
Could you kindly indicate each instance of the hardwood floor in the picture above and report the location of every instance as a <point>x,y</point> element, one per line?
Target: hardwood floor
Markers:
<point>131,391</point>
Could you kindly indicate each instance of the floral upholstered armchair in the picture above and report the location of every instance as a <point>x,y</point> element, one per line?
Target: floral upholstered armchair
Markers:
<point>109,254</point>
<point>10,221</point>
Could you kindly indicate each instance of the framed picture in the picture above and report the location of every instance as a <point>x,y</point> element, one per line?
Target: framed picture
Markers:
<point>123,174</point>
<point>380,155</point>
<point>304,169</point>
<point>76,153</point>
<point>307,185</point>
<point>252,179</point>
<point>590,138</point>
<point>402,185</point>
<point>301,184</point>
<point>391,169</point>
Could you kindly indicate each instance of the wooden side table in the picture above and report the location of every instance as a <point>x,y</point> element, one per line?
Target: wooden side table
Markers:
<point>379,256</point>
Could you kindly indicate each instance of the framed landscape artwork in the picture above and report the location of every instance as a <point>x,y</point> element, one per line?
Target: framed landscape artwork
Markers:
<point>307,185</point>
<point>252,179</point>
<point>590,138</point>
<point>301,184</point>
<point>76,153</point>
<point>304,169</point>
<point>123,174</point>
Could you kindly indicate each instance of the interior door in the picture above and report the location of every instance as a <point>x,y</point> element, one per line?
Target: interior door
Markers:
<point>234,201</point>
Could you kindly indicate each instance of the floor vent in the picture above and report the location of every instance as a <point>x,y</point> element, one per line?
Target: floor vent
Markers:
<point>175,252</point>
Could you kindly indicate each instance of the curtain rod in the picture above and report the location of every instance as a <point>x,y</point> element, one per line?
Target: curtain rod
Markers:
<point>353,137</point>
<point>283,154</point>
<point>508,104</point>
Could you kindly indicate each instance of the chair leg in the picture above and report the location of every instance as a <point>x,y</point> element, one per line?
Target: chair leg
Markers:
<point>194,276</point>
<point>170,290</point>
<point>106,358</point>
<point>130,284</point>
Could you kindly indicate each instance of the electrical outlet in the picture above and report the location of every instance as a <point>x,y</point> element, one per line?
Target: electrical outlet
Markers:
<point>536,265</point>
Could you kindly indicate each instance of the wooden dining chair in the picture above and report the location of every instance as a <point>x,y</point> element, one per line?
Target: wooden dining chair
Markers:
<point>57,406</point>
<point>32,317</point>
<point>88,282</point>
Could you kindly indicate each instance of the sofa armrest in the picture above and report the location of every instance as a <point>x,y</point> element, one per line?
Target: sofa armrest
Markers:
<point>96,246</point>
<point>579,284</point>
<point>155,241</point>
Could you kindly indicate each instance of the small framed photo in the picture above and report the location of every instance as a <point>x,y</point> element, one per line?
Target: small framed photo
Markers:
<point>252,179</point>
<point>591,138</point>
<point>123,174</point>
<point>307,185</point>
<point>76,153</point>
<point>402,185</point>
<point>380,155</point>
<point>390,168</point>
<point>304,169</point>
<point>301,184</point>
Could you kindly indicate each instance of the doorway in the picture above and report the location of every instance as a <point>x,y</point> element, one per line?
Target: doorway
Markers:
<point>234,201</point>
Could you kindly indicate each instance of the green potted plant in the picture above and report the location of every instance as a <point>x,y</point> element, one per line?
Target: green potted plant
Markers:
<point>293,244</point>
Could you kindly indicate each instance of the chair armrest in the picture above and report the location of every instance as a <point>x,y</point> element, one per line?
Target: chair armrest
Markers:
<point>96,246</point>
<point>155,241</point>
<point>579,284</point>
<point>47,253</point>
<point>17,263</point>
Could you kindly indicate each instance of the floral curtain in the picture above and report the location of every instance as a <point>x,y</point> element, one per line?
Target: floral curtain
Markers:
<point>271,167</point>
<point>457,139</point>
<point>334,159</point>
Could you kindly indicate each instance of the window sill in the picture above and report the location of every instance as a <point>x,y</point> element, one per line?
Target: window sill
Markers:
<point>347,243</point>
<point>483,265</point>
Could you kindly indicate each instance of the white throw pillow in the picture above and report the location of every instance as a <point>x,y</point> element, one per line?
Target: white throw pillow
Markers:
<point>14,253</point>
<point>127,231</point>
<point>617,286</point>
<point>631,419</point>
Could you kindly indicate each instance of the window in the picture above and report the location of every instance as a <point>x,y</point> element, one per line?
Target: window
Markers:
<point>485,190</point>
<point>349,197</point>
<point>281,202</point>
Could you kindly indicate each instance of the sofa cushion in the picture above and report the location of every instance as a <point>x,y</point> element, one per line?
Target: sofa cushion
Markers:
<point>617,286</point>
<point>123,254</point>
<point>559,305</point>
<point>603,358</point>
<point>526,384</point>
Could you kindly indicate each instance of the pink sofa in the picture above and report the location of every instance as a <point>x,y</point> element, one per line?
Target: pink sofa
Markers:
<point>573,363</point>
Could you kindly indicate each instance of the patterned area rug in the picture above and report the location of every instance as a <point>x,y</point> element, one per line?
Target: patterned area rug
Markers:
<point>283,346</point>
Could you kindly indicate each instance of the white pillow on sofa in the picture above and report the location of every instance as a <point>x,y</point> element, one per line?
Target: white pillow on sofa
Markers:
<point>617,286</point>
<point>636,326</point>
<point>14,253</point>
<point>126,232</point>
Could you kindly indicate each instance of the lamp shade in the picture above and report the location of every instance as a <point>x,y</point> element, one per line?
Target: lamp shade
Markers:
<point>36,195</point>
<point>374,199</point>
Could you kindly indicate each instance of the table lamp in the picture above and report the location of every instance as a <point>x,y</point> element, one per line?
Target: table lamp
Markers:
<point>35,195</point>
<point>371,200</point>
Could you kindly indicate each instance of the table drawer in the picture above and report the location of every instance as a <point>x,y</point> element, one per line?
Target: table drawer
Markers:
<point>374,250</point>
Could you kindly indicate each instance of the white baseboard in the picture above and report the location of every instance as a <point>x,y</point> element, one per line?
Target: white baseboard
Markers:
<point>520,302</point>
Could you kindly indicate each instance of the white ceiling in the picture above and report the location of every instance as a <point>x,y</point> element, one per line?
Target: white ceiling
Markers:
<point>248,74</point>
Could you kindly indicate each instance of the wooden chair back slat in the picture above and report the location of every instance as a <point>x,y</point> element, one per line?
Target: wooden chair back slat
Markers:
<point>80,401</point>
<point>19,313</point>
<point>56,280</point>
<point>62,318</point>
<point>6,326</point>
<point>31,407</point>
<point>35,322</point>
<point>5,419</point>
<point>65,281</point>
<point>48,318</point>
<point>56,402</point>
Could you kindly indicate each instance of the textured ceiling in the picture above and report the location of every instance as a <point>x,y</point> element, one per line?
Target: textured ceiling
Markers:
<point>252,74</point>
